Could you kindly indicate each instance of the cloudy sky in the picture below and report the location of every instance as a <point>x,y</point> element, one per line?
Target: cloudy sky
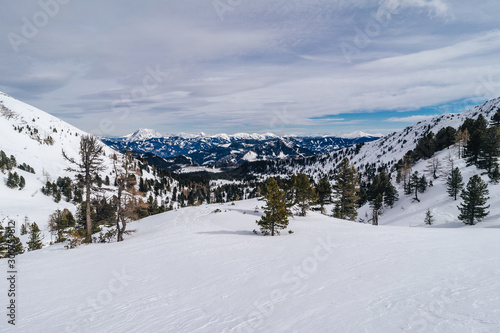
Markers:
<point>283,66</point>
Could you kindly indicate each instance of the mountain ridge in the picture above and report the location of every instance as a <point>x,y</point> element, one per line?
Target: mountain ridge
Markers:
<point>230,150</point>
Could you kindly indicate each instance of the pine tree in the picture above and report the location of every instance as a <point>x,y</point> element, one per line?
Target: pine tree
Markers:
<point>304,193</point>
<point>4,246</point>
<point>429,219</point>
<point>57,195</point>
<point>346,191</point>
<point>12,180</point>
<point>59,221</point>
<point>275,212</point>
<point>474,207</point>
<point>4,161</point>
<point>35,238</point>
<point>454,183</point>
<point>495,174</point>
<point>376,205</point>
<point>22,183</point>
<point>490,150</point>
<point>390,195</point>
<point>495,120</point>
<point>23,229</point>
<point>476,140</point>
<point>324,191</point>
<point>14,244</point>
<point>417,185</point>
<point>10,245</point>
<point>90,164</point>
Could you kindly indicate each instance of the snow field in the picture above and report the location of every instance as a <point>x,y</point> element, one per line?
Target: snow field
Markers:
<point>193,270</point>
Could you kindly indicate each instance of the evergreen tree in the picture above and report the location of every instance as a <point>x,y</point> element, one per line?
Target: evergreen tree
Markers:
<point>142,186</point>
<point>495,120</point>
<point>324,191</point>
<point>346,191</point>
<point>429,219</point>
<point>57,195</point>
<point>390,195</point>
<point>476,140</point>
<point>417,184</point>
<point>376,205</point>
<point>474,207</point>
<point>490,150</point>
<point>59,221</point>
<point>426,147</point>
<point>81,219</point>
<point>4,162</point>
<point>10,245</point>
<point>23,229</point>
<point>454,183</point>
<point>35,238</point>
<point>382,185</point>
<point>304,192</point>
<point>495,174</point>
<point>445,137</point>
<point>22,183</point>
<point>275,212</point>
<point>12,180</point>
<point>90,164</point>
<point>4,246</point>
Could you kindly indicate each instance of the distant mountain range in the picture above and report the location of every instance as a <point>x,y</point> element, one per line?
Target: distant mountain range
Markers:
<point>229,150</point>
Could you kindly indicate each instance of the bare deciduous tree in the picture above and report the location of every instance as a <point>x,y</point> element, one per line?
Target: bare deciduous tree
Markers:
<point>433,167</point>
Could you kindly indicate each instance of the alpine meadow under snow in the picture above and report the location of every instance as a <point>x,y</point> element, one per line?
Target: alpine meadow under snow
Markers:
<point>204,268</point>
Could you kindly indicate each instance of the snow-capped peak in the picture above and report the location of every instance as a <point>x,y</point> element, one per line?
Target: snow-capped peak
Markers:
<point>143,134</point>
<point>360,134</point>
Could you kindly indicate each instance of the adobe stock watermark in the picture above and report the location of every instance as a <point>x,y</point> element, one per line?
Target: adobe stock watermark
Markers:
<point>291,282</point>
<point>364,36</point>
<point>12,278</point>
<point>121,107</point>
<point>487,86</point>
<point>224,6</point>
<point>280,119</point>
<point>31,26</point>
<point>86,312</point>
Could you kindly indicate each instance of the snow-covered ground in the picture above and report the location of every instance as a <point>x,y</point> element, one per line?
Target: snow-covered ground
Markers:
<point>196,270</point>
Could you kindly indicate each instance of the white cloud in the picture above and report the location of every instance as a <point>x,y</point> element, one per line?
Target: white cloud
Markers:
<point>410,119</point>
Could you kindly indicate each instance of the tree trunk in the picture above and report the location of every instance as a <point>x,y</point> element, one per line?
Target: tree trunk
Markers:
<point>88,238</point>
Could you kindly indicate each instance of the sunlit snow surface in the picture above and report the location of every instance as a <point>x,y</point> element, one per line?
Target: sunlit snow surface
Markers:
<point>194,270</point>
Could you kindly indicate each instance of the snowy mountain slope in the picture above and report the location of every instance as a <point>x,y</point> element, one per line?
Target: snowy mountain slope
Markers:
<point>194,270</point>
<point>407,212</point>
<point>37,138</point>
